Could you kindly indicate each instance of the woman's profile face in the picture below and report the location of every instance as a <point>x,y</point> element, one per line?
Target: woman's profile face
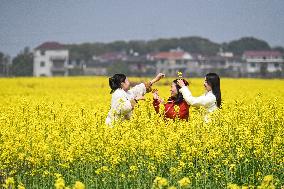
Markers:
<point>207,86</point>
<point>125,85</point>
<point>173,90</point>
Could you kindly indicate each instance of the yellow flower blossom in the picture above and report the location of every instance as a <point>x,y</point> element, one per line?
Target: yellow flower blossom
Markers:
<point>79,185</point>
<point>184,182</point>
<point>160,182</point>
<point>57,125</point>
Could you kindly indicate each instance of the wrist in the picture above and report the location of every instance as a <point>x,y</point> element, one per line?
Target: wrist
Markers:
<point>154,81</point>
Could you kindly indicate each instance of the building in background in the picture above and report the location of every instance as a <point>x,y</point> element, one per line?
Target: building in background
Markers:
<point>51,59</point>
<point>197,65</point>
<point>263,63</point>
<point>172,62</point>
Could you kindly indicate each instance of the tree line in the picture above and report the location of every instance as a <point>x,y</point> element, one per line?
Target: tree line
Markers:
<point>190,44</point>
<point>22,64</point>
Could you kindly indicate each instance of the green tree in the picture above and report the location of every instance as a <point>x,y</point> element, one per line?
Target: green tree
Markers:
<point>192,44</point>
<point>4,64</point>
<point>22,64</point>
<point>280,49</point>
<point>118,67</point>
<point>246,43</point>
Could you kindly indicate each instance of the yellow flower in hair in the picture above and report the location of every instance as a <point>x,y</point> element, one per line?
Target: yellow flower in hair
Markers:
<point>179,74</point>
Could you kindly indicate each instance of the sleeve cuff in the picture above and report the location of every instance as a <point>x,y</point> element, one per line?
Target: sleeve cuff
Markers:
<point>148,86</point>
<point>185,91</point>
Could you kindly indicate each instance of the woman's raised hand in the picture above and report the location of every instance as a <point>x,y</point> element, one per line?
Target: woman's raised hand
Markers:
<point>155,94</point>
<point>180,83</point>
<point>160,76</point>
<point>157,78</point>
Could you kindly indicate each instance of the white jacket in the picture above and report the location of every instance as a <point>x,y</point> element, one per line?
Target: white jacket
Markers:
<point>208,100</point>
<point>120,103</point>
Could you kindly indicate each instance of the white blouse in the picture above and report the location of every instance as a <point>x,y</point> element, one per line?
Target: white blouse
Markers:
<point>120,103</point>
<point>208,100</point>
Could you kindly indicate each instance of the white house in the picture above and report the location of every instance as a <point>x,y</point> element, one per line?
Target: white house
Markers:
<point>263,63</point>
<point>223,65</point>
<point>51,59</point>
<point>172,62</point>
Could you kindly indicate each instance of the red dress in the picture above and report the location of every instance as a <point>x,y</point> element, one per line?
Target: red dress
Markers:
<point>170,109</point>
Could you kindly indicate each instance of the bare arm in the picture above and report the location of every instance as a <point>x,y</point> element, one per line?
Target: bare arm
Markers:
<point>158,77</point>
<point>141,89</point>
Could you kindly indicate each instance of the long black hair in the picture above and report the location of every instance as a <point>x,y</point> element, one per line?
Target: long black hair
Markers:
<point>213,80</point>
<point>179,98</point>
<point>115,81</point>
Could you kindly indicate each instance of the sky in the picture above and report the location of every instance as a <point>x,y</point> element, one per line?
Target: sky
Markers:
<point>32,22</point>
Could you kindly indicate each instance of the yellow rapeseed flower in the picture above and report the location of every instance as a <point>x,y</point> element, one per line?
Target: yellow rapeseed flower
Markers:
<point>79,185</point>
<point>184,182</point>
<point>160,182</point>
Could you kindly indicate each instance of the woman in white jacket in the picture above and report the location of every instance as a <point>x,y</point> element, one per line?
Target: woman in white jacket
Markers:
<point>124,99</point>
<point>211,100</point>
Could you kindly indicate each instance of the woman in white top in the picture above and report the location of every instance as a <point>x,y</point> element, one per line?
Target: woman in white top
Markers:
<point>124,99</point>
<point>211,100</point>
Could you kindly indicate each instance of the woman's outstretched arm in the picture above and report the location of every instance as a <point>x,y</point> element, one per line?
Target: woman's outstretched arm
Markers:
<point>141,89</point>
<point>158,77</point>
<point>194,101</point>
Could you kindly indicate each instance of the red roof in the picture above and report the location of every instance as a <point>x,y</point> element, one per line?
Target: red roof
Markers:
<point>110,56</point>
<point>262,53</point>
<point>50,46</point>
<point>169,55</point>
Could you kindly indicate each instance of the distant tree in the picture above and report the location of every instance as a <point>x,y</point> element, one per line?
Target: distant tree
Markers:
<point>137,46</point>
<point>199,45</point>
<point>86,51</point>
<point>246,43</point>
<point>118,67</point>
<point>263,70</point>
<point>22,64</point>
<point>1,56</point>
<point>280,49</point>
<point>190,44</point>
<point>118,46</point>
<point>4,64</point>
<point>162,45</point>
<point>194,44</point>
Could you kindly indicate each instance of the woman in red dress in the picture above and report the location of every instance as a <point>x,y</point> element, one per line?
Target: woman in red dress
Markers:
<point>176,106</point>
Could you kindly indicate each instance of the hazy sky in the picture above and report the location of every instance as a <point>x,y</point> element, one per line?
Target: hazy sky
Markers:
<point>31,22</point>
